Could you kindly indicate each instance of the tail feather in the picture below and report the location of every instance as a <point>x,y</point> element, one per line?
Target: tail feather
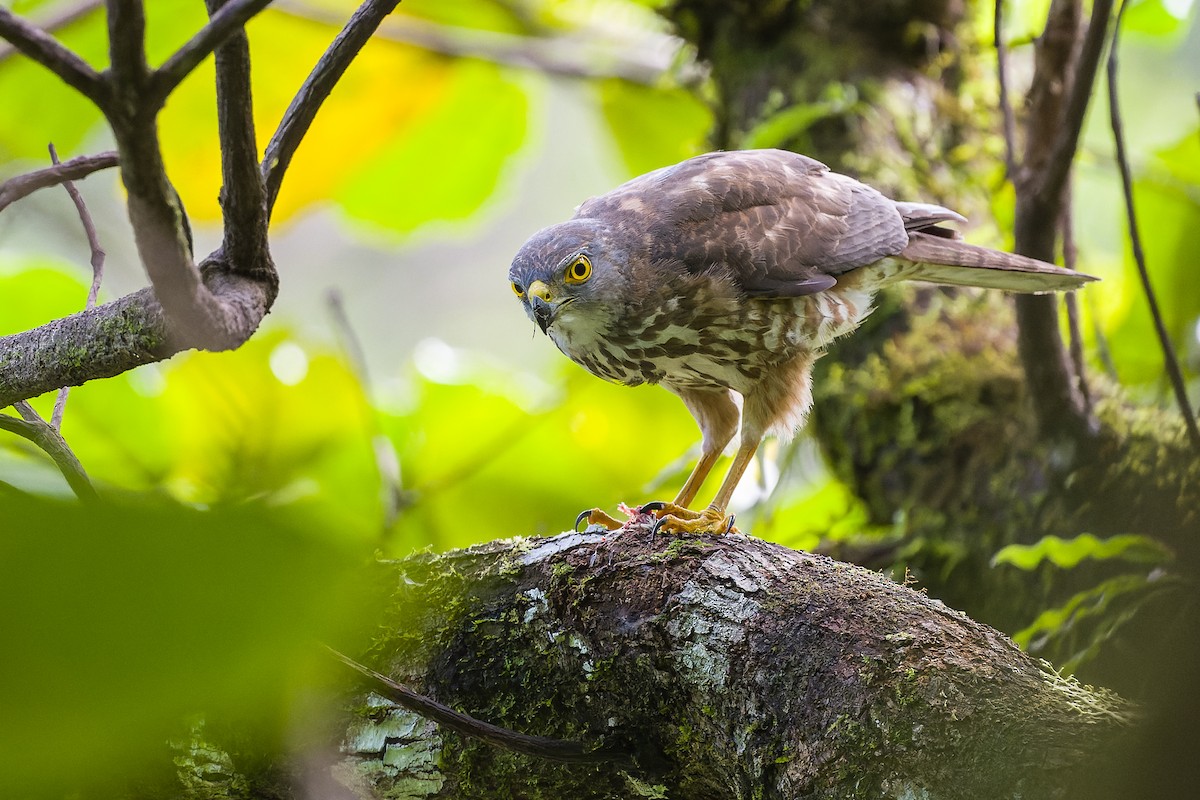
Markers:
<point>940,260</point>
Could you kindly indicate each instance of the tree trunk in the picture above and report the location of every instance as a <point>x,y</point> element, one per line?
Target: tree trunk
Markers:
<point>726,667</point>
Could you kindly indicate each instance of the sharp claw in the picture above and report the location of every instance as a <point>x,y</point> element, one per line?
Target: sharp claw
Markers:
<point>729,527</point>
<point>582,516</point>
<point>653,505</point>
<point>658,523</point>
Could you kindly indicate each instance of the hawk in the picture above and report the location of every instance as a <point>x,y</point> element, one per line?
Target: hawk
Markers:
<point>730,273</point>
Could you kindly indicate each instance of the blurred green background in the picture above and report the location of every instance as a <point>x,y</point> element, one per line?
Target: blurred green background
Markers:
<point>247,484</point>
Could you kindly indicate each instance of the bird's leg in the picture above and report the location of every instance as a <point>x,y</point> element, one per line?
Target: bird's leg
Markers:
<point>713,519</point>
<point>759,413</point>
<point>717,416</point>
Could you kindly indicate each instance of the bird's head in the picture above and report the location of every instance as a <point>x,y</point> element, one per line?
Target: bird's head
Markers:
<point>567,277</point>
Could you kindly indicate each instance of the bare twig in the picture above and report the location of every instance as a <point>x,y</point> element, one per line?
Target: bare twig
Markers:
<point>317,86</point>
<point>567,56</point>
<point>231,17</point>
<point>1070,261</point>
<point>32,427</point>
<point>387,462</point>
<point>21,186</point>
<point>54,56</point>
<point>73,13</point>
<point>1006,109</point>
<point>540,746</point>
<point>1135,239</point>
<point>89,229</point>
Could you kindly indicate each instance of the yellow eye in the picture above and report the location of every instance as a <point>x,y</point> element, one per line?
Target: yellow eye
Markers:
<point>579,271</point>
<point>517,288</point>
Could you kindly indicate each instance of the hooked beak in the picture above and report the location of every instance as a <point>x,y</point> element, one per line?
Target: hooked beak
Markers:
<point>542,305</point>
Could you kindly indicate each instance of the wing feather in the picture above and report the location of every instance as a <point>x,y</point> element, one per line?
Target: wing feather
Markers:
<point>779,223</point>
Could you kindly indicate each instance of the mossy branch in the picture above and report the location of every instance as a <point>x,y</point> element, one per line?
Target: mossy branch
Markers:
<point>727,666</point>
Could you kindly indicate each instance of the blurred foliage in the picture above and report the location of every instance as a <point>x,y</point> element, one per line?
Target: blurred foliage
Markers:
<point>243,484</point>
<point>1074,632</point>
<point>1066,553</point>
<point>120,620</point>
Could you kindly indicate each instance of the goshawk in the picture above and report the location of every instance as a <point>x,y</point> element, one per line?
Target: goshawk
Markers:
<point>731,272</point>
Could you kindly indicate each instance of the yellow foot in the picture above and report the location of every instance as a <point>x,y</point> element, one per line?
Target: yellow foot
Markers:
<point>677,519</point>
<point>595,516</point>
<point>649,516</point>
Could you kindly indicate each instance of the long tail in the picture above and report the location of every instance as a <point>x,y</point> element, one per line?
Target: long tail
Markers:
<point>938,259</point>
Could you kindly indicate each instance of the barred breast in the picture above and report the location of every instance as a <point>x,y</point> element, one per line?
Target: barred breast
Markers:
<point>710,341</point>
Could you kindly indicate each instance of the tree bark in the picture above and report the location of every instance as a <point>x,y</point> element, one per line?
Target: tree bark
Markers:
<point>726,667</point>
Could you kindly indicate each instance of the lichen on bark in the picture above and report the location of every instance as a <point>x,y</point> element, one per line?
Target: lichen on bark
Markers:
<point>728,667</point>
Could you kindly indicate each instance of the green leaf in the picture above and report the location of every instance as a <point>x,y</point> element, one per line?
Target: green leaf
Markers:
<point>1153,17</point>
<point>1066,553</point>
<point>653,127</point>
<point>784,126</point>
<point>34,291</point>
<point>450,163</point>
<point>1075,631</point>
<point>119,620</point>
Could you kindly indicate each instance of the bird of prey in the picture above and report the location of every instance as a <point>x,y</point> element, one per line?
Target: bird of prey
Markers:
<point>731,272</point>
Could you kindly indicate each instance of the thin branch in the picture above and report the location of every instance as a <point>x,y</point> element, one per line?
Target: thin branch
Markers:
<point>75,169</point>
<point>1070,261</point>
<point>1006,109</point>
<point>89,229</point>
<point>243,196</point>
<point>54,56</point>
<point>127,51</point>
<point>68,16</point>
<point>1135,239</point>
<point>387,462</point>
<point>571,56</point>
<point>230,18</point>
<point>317,86</point>
<point>47,439</point>
<point>540,746</point>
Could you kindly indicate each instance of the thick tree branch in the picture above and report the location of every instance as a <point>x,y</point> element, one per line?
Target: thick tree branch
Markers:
<point>727,666</point>
<point>539,746</point>
<point>1065,74</point>
<point>73,169</point>
<point>317,86</point>
<point>231,17</point>
<point>1087,65</point>
<point>116,337</point>
<point>51,54</point>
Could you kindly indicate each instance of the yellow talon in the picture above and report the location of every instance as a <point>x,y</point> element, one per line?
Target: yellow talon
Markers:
<point>676,519</point>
